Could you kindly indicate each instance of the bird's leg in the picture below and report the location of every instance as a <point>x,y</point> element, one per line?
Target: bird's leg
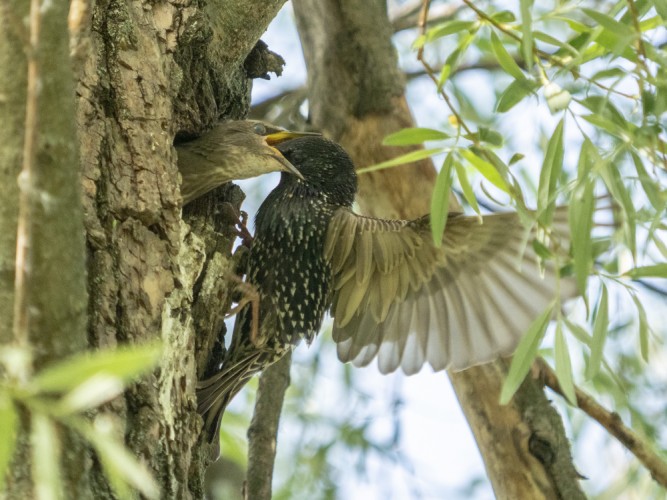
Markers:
<point>248,294</point>
<point>239,218</point>
<point>242,227</point>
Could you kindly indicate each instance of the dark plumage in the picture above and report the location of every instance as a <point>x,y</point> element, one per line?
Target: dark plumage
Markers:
<point>392,293</point>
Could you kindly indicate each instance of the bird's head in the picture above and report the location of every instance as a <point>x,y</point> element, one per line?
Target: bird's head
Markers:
<point>232,150</point>
<point>324,165</point>
<point>262,138</point>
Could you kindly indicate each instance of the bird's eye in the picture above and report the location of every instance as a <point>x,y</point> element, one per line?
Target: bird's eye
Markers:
<point>259,129</point>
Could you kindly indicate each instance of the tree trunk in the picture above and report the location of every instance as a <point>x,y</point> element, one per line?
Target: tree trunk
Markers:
<point>145,73</point>
<point>356,97</point>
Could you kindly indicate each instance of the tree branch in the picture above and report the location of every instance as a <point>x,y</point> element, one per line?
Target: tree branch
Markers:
<point>337,46</point>
<point>611,422</point>
<point>263,431</point>
<point>406,16</point>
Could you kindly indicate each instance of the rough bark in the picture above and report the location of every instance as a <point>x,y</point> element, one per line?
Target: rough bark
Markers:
<point>145,73</point>
<point>356,97</point>
<point>155,72</point>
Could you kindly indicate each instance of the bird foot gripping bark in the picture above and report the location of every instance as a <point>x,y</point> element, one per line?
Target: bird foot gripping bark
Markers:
<point>240,220</point>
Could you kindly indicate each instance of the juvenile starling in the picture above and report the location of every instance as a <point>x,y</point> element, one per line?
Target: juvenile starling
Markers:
<point>230,151</point>
<point>391,292</point>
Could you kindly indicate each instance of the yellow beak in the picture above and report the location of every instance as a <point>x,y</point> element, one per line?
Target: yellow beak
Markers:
<point>282,136</point>
<point>285,135</point>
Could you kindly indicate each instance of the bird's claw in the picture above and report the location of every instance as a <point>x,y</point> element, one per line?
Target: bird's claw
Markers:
<point>239,218</point>
<point>242,229</point>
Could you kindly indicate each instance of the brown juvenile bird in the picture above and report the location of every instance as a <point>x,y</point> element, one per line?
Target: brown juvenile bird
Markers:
<point>392,293</point>
<point>231,150</point>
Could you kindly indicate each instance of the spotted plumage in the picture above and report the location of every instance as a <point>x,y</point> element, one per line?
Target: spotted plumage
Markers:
<point>288,267</point>
<point>393,294</point>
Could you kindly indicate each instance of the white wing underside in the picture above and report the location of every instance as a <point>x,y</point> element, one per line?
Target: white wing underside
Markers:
<point>400,298</point>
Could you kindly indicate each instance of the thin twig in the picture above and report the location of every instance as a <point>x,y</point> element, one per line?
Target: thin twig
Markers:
<point>423,15</point>
<point>263,430</point>
<point>611,422</point>
<point>404,18</point>
<point>26,186</point>
<point>542,54</point>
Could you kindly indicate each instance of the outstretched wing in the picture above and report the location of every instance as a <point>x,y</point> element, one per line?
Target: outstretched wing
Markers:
<point>400,298</point>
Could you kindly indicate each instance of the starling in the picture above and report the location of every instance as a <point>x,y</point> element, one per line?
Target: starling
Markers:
<point>232,150</point>
<point>392,293</point>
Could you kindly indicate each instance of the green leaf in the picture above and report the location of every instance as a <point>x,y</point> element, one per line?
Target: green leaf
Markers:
<point>607,125</point>
<point>661,8</point>
<point>487,135</point>
<point>600,329</point>
<point>505,60</point>
<point>45,447</point>
<point>525,354</point>
<point>120,466</point>
<point>654,271</point>
<point>485,168</point>
<point>650,186</point>
<point>580,214</point>
<point>609,172</point>
<point>604,108</point>
<point>444,75</point>
<point>126,363</point>
<point>92,392</point>
<point>615,73</point>
<point>8,432</point>
<point>504,17</point>
<point>542,251</point>
<point>613,35</point>
<point>651,23</point>
<point>416,135</point>
<point>643,328</point>
<point>527,32</point>
<point>609,23</point>
<point>468,193</point>
<point>516,157</point>
<point>448,28</point>
<point>579,332</point>
<point>514,94</point>
<point>440,200</point>
<point>551,170</point>
<point>455,56</point>
<point>410,157</point>
<point>564,366</point>
<point>546,38</point>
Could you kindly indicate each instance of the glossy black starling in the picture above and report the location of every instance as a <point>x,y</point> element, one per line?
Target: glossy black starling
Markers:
<point>391,292</point>
<point>231,150</point>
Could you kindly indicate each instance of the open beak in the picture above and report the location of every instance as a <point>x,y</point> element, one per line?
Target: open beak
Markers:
<point>288,167</point>
<point>282,136</point>
<point>285,135</point>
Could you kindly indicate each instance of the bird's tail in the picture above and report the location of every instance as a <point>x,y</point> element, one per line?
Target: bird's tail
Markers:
<point>216,392</point>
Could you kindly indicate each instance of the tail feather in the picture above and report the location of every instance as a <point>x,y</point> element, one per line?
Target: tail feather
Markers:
<point>217,391</point>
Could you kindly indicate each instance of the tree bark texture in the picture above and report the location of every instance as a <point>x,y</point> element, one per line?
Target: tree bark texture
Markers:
<point>145,73</point>
<point>356,97</point>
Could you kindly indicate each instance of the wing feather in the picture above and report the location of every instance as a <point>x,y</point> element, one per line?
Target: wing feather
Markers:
<point>463,303</point>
